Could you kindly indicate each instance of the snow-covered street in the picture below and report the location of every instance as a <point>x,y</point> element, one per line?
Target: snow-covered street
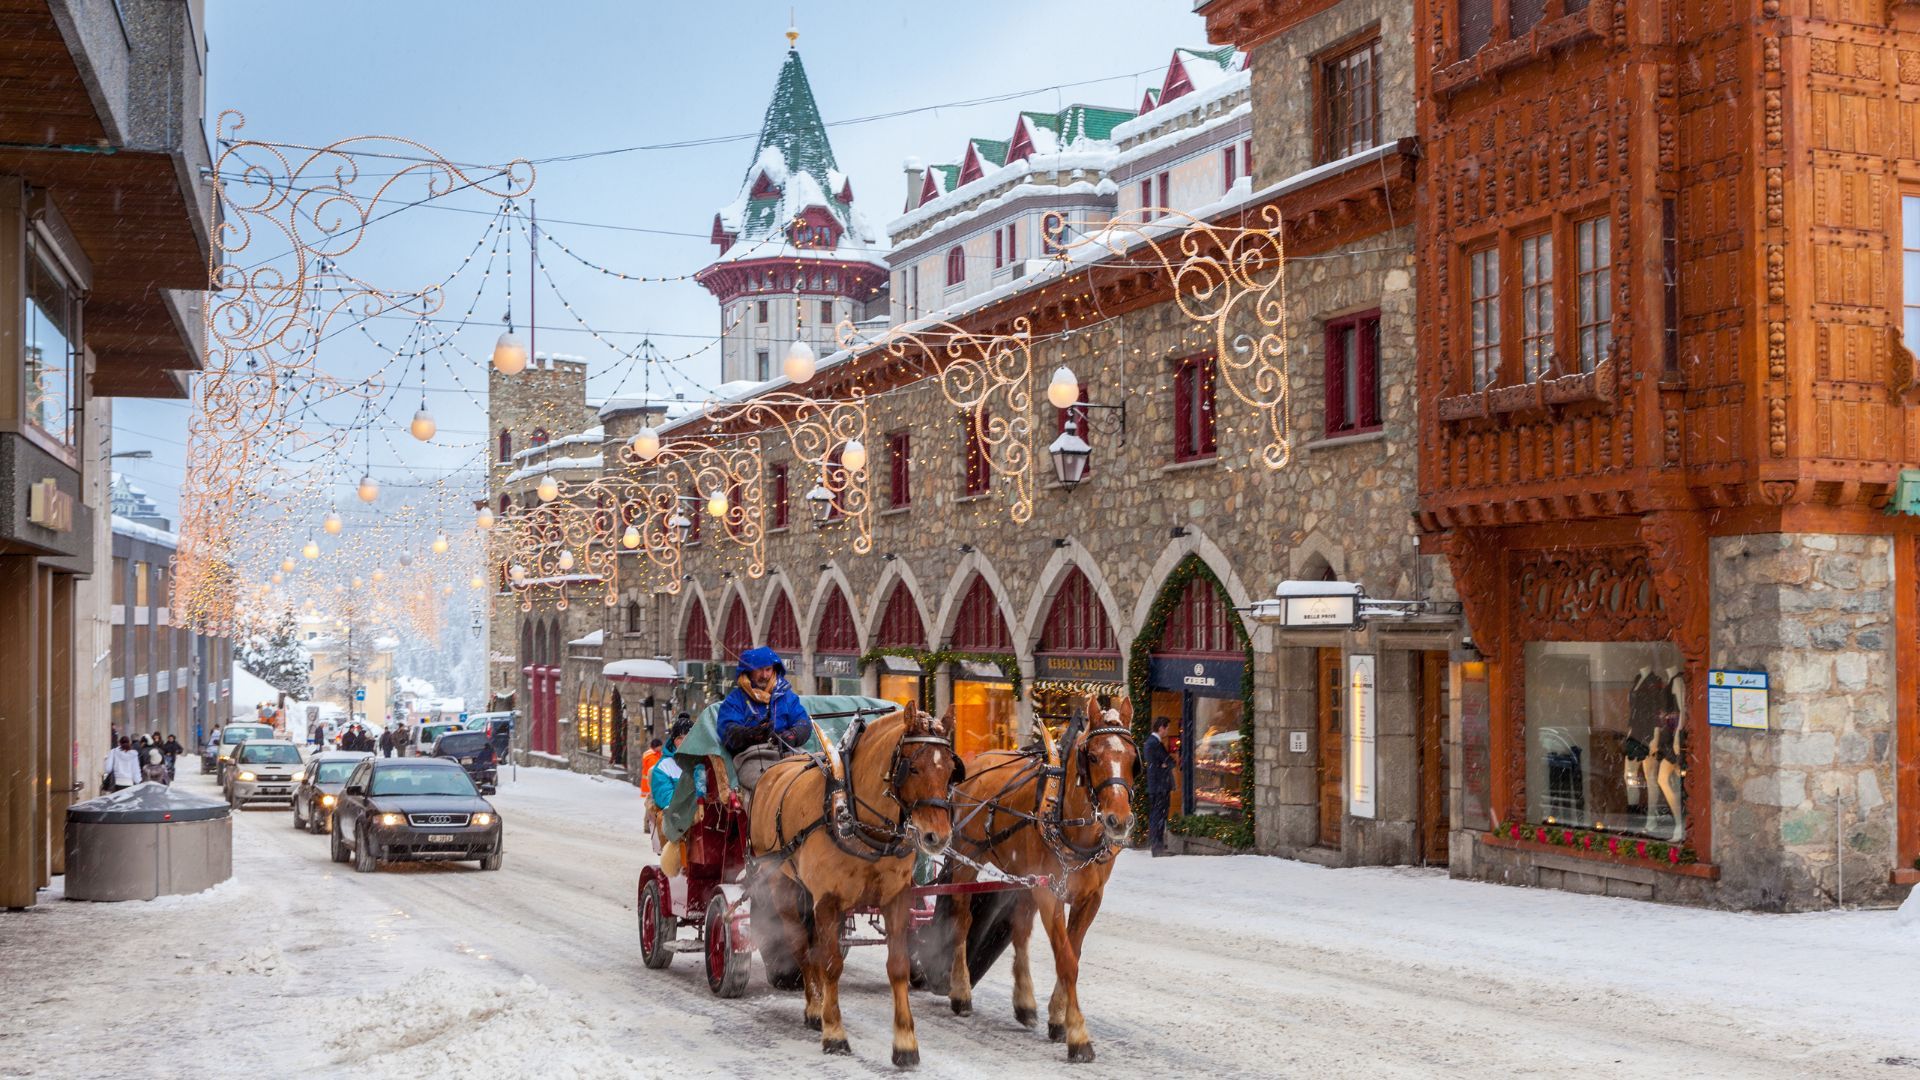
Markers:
<point>1216,967</point>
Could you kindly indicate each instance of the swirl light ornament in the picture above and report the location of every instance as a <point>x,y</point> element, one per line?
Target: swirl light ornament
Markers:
<point>819,431</point>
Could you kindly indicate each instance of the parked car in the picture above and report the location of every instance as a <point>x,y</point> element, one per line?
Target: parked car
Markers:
<point>427,734</point>
<point>413,808</point>
<point>474,753</point>
<point>499,729</point>
<point>263,769</point>
<point>319,786</point>
<point>231,736</point>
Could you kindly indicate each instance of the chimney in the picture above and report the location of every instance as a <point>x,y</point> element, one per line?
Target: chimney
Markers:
<point>916,177</point>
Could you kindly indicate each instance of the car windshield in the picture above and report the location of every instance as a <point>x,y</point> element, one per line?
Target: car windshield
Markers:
<point>242,732</point>
<point>421,780</point>
<point>270,755</point>
<point>333,772</point>
<point>434,731</point>
<point>461,742</point>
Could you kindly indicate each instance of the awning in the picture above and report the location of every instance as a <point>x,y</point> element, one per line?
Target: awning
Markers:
<point>899,665</point>
<point>979,671</point>
<point>657,672</point>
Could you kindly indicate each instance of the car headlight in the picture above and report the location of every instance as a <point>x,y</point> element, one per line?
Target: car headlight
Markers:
<point>326,800</point>
<point>483,820</point>
<point>390,819</point>
<point>246,776</point>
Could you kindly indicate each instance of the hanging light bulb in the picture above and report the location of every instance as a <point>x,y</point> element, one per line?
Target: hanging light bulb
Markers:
<point>446,590</point>
<point>379,575</point>
<point>423,426</point>
<point>484,519</point>
<point>518,572</point>
<point>854,456</point>
<point>565,561</point>
<point>717,503</point>
<point>286,564</point>
<point>548,489</point>
<point>331,523</point>
<point>1064,390</point>
<point>510,354</point>
<point>311,550</point>
<point>369,488</point>
<point>440,544</point>
<point>799,365</point>
<point>645,444</point>
<point>631,538</point>
<point>476,582</point>
<point>357,583</point>
<point>406,558</point>
<point>277,577</point>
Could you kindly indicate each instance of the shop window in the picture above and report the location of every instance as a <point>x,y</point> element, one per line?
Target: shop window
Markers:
<point>977,465</point>
<point>985,715</point>
<point>956,266</point>
<point>1536,306</point>
<point>838,632</point>
<point>736,634</point>
<point>783,632</point>
<point>1606,736</point>
<point>777,496</point>
<point>978,626</point>
<point>1475,21</point>
<point>51,337</point>
<point>900,625</point>
<point>1594,319</point>
<point>1353,374</point>
<point>899,469</point>
<point>1350,100</point>
<point>1193,426</point>
<point>1483,301</point>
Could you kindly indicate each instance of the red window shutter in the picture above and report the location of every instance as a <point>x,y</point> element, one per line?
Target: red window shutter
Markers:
<point>698,644</point>
<point>1166,190</point>
<point>1203,392</point>
<point>999,250</point>
<point>1368,377</point>
<point>1229,154</point>
<point>1183,412</point>
<point>1246,156</point>
<point>737,636</point>
<point>783,634</point>
<point>978,626</point>
<point>900,626</point>
<point>1336,378</point>
<point>1013,246</point>
<point>1146,198</point>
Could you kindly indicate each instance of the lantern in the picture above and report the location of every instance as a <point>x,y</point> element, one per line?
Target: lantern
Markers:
<point>510,354</point>
<point>799,365</point>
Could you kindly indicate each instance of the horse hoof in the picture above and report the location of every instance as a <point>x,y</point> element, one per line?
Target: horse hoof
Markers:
<point>1027,1016</point>
<point>1081,1053</point>
<point>835,1046</point>
<point>961,1008</point>
<point>1057,1032</point>
<point>906,1059</point>
<point>813,1023</point>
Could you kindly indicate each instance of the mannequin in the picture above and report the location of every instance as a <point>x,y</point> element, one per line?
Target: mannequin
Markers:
<point>1663,764</point>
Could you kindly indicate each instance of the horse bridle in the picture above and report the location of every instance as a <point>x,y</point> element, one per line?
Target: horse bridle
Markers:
<point>1054,821</point>
<point>878,844</point>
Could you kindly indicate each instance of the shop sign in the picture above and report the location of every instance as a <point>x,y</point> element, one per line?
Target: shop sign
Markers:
<point>837,667</point>
<point>1360,736</point>
<point>1320,612</point>
<point>49,507</point>
<point>1078,668</point>
<point>1737,699</point>
<point>1211,678</point>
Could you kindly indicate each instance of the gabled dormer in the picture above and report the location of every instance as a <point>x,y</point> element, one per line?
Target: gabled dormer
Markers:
<point>845,194</point>
<point>816,229</point>
<point>940,180</point>
<point>981,155</point>
<point>764,188</point>
<point>1196,69</point>
<point>1150,100</point>
<point>722,237</point>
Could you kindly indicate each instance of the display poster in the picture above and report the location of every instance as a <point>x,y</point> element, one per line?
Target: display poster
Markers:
<point>1737,699</point>
<point>1476,747</point>
<point>1360,736</point>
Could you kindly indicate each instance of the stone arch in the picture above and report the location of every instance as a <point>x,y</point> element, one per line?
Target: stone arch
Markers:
<point>724,607</point>
<point>1054,574</point>
<point>690,594</point>
<point>1314,558</point>
<point>777,585</point>
<point>830,578</point>
<point>976,563</point>
<point>1197,543</point>
<point>896,571</point>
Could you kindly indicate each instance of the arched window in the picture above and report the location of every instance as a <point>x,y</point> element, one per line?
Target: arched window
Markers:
<point>1200,622</point>
<point>633,616</point>
<point>837,631</point>
<point>539,436</point>
<point>506,445</point>
<point>900,623</point>
<point>1076,622</point>
<point>736,634</point>
<point>697,642</point>
<point>979,626</point>
<point>956,265</point>
<point>505,503</point>
<point>783,632</point>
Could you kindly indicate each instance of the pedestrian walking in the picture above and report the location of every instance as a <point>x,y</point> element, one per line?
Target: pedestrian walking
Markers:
<point>1160,766</point>
<point>173,750</point>
<point>153,763</point>
<point>386,744</point>
<point>647,761</point>
<point>402,738</point>
<point>122,767</point>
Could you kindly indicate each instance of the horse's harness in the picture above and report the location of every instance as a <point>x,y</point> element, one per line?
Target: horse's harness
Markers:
<point>1050,817</point>
<point>842,805</point>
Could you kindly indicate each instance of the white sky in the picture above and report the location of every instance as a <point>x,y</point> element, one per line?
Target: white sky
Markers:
<point>485,81</point>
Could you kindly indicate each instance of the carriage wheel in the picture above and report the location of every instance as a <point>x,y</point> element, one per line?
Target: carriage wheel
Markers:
<point>726,966</point>
<point>656,930</point>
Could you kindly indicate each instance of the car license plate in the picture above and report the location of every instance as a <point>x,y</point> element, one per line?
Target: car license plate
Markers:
<point>440,838</point>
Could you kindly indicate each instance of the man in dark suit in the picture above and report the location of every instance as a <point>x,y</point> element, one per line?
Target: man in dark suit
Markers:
<point>1160,766</point>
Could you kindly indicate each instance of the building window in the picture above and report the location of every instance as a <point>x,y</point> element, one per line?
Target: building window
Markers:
<point>838,633</point>
<point>1536,306</point>
<point>783,631</point>
<point>1230,159</point>
<point>506,445</point>
<point>1475,19</point>
<point>1604,741</point>
<point>826,313</point>
<point>1524,15</point>
<point>633,616</point>
<point>1166,189</point>
<point>1246,156</point>
<point>999,249</point>
<point>141,578</point>
<point>979,468</point>
<point>1146,200</point>
<point>1353,374</point>
<point>697,642</point>
<point>956,266</point>
<point>899,469</point>
<point>1910,261</point>
<point>1483,300</point>
<point>1670,271</point>
<point>1595,321</point>
<point>1193,429</point>
<point>539,436</point>
<point>778,496</point>
<point>1350,100</point>
<point>52,383</point>
<point>1013,246</point>
<point>762,365</point>
<point>760,310</point>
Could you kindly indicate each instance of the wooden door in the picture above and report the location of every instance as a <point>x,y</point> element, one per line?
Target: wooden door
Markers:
<point>1331,737</point>
<point>1435,824</point>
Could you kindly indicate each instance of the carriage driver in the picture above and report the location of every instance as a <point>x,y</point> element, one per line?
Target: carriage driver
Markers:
<point>762,719</point>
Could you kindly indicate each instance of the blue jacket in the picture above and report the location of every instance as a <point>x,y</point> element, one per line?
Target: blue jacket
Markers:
<point>741,718</point>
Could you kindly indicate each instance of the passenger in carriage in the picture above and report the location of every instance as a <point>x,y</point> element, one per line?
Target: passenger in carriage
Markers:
<point>762,711</point>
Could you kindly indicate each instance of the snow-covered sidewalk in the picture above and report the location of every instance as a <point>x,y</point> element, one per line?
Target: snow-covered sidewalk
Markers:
<point>1197,966</point>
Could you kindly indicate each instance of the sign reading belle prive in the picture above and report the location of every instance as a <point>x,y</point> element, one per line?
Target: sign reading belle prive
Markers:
<point>1360,736</point>
<point>1737,699</point>
<point>1321,611</point>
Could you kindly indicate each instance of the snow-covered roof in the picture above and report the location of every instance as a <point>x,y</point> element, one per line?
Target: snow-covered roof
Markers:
<point>640,670</point>
<point>594,435</point>
<point>593,462</point>
<point>591,641</point>
<point>1229,84</point>
<point>145,532</point>
<point>672,408</point>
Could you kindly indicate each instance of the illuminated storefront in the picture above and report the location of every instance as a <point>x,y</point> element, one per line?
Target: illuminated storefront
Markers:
<point>902,681</point>
<point>1076,655</point>
<point>985,708</point>
<point>836,673</point>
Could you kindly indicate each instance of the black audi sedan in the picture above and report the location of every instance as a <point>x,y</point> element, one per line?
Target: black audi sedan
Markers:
<point>413,808</point>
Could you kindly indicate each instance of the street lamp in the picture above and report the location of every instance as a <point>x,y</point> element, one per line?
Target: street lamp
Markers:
<point>822,502</point>
<point>645,444</point>
<point>799,365</point>
<point>136,455</point>
<point>1070,455</point>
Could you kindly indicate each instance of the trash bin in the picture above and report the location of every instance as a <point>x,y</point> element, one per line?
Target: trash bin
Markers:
<point>145,841</point>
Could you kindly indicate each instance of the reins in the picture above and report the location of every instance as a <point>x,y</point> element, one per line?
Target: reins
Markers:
<point>862,839</point>
<point>1050,815</point>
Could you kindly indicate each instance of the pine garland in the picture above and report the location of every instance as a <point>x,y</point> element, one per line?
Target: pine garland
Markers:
<point>1236,830</point>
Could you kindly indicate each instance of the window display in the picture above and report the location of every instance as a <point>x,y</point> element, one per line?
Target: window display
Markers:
<point>1216,756</point>
<point>984,716</point>
<point>1606,736</point>
<point>902,690</point>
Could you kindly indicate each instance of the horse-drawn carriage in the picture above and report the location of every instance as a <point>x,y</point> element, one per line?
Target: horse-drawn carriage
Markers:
<point>832,836</point>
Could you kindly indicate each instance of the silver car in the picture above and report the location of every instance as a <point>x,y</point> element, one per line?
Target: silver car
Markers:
<point>263,770</point>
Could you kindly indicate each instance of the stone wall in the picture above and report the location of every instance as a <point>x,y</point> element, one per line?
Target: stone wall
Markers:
<point>1284,79</point>
<point>1815,612</point>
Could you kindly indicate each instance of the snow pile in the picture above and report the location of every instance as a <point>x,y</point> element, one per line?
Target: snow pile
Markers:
<point>439,1025</point>
<point>1909,914</point>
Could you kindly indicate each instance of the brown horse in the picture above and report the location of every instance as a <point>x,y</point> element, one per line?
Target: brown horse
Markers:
<point>898,772</point>
<point>1012,814</point>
